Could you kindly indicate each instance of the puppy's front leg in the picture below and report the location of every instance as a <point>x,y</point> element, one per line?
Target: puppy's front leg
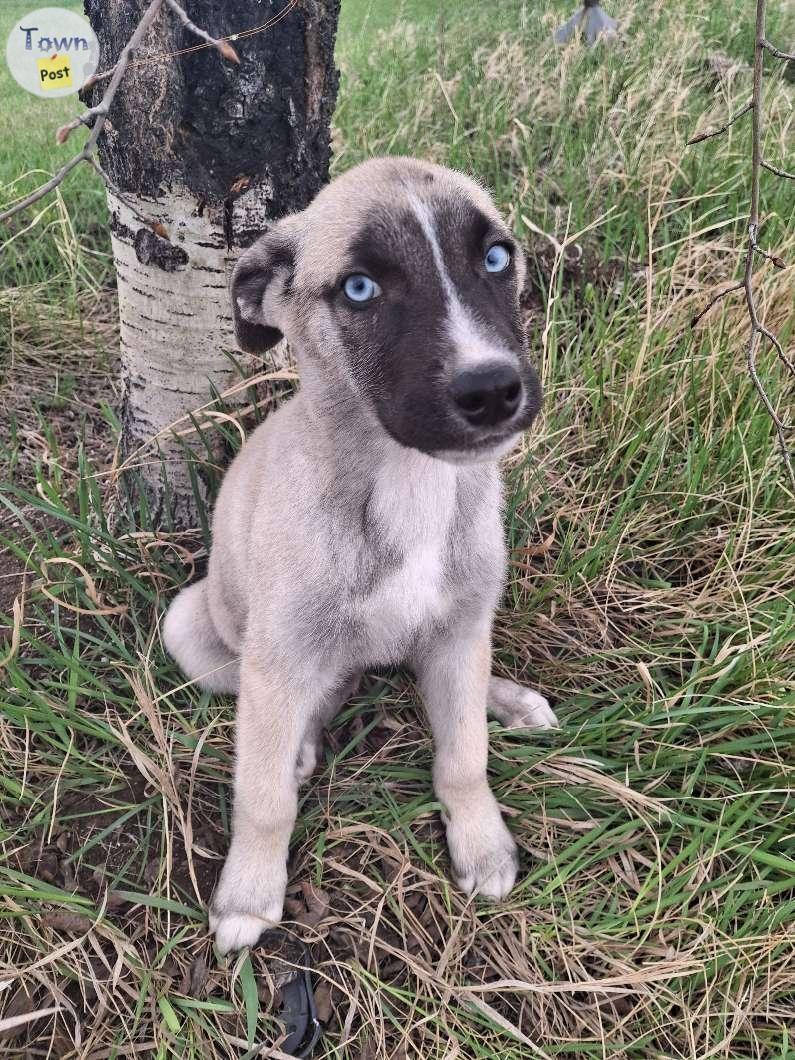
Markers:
<point>453,676</point>
<point>274,712</point>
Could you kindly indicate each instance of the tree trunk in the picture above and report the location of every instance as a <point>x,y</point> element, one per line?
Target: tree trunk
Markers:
<point>214,152</point>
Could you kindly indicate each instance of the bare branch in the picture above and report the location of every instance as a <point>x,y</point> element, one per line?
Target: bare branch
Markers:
<point>717,132</point>
<point>776,170</point>
<point>781,429</point>
<point>774,258</point>
<point>758,328</point>
<point>223,46</point>
<point>774,51</point>
<point>717,298</point>
<point>148,17</point>
<point>782,356</point>
<point>62,134</point>
<point>44,189</point>
<point>95,117</point>
<point>250,32</point>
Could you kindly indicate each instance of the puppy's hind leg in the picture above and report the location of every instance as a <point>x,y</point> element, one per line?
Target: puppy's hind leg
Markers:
<point>312,744</point>
<point>191,639</point>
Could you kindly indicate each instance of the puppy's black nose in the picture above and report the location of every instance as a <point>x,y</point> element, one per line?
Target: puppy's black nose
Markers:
<point>487,396</point>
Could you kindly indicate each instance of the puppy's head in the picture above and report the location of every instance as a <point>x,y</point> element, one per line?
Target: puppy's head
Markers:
<point>401,281</point>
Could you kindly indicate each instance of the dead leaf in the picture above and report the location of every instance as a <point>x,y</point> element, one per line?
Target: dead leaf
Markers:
<point>115,902</point>
<point>195,978</point>
<point>317,905</point>
<point>78,923</point>
<point>21,1002</point>
<point>323,1001</point>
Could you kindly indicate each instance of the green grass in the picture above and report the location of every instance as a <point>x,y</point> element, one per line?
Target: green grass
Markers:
<point>51,258</point>
<point>650,596</point>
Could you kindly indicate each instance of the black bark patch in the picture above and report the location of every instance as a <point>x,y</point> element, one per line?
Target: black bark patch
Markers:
<point>119,229</point>
<point>151,249</point>
<point>229,232</point>
<point>210,125</point>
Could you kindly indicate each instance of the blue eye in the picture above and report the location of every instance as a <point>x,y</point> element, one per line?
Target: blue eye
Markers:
<point>498,258</point>
<point>360,288</point>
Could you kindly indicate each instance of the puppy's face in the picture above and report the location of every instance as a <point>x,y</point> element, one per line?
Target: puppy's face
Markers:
<point>402,281</point>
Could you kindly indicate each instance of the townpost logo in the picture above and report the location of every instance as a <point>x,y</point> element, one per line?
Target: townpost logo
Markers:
<point>55,72</point>
<point>52,52</point>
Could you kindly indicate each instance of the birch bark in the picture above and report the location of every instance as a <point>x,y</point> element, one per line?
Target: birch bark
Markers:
<point>214,152</point>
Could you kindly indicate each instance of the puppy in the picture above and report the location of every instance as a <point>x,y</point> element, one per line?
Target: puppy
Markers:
<point>360,525</point>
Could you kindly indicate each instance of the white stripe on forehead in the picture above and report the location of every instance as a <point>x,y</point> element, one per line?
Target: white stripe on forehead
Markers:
<point>472,345</point>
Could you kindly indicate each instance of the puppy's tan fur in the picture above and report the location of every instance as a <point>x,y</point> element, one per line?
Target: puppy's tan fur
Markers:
<point>338,547</point>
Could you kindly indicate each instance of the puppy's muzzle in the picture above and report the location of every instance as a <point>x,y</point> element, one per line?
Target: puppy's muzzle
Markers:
<point>488,396</point>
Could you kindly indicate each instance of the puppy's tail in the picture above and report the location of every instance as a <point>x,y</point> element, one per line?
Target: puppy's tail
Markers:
<point>191,639</point>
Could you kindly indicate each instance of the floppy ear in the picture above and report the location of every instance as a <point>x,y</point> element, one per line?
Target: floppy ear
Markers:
<point>260,283</point>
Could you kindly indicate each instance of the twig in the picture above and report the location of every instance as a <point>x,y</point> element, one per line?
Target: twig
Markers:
<point>717,132</point>
<point>782,356</point>
<point>774,51</point>
<point>100,112</point>
<point>773,258</point>
<point>758,329</point>
<point>95,116</point>
<point>223,46</point>
<point>250,32</point>
<point>721,294</point>
<point>62,135</point>
<point>777,171</point>
<point>44,189</point>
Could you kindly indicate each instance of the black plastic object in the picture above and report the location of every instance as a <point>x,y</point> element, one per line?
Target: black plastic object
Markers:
<point>288,962</point>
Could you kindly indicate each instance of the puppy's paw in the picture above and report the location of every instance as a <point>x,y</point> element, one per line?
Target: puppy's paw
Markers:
<point>248,899</point>
<point>483,853</point>
<point>233,931</point>
<point>517,707</point>
<point>309,754</point>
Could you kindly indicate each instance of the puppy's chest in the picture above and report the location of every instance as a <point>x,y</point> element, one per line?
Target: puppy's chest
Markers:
<point>410,588</point>
<point>418,547</point>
